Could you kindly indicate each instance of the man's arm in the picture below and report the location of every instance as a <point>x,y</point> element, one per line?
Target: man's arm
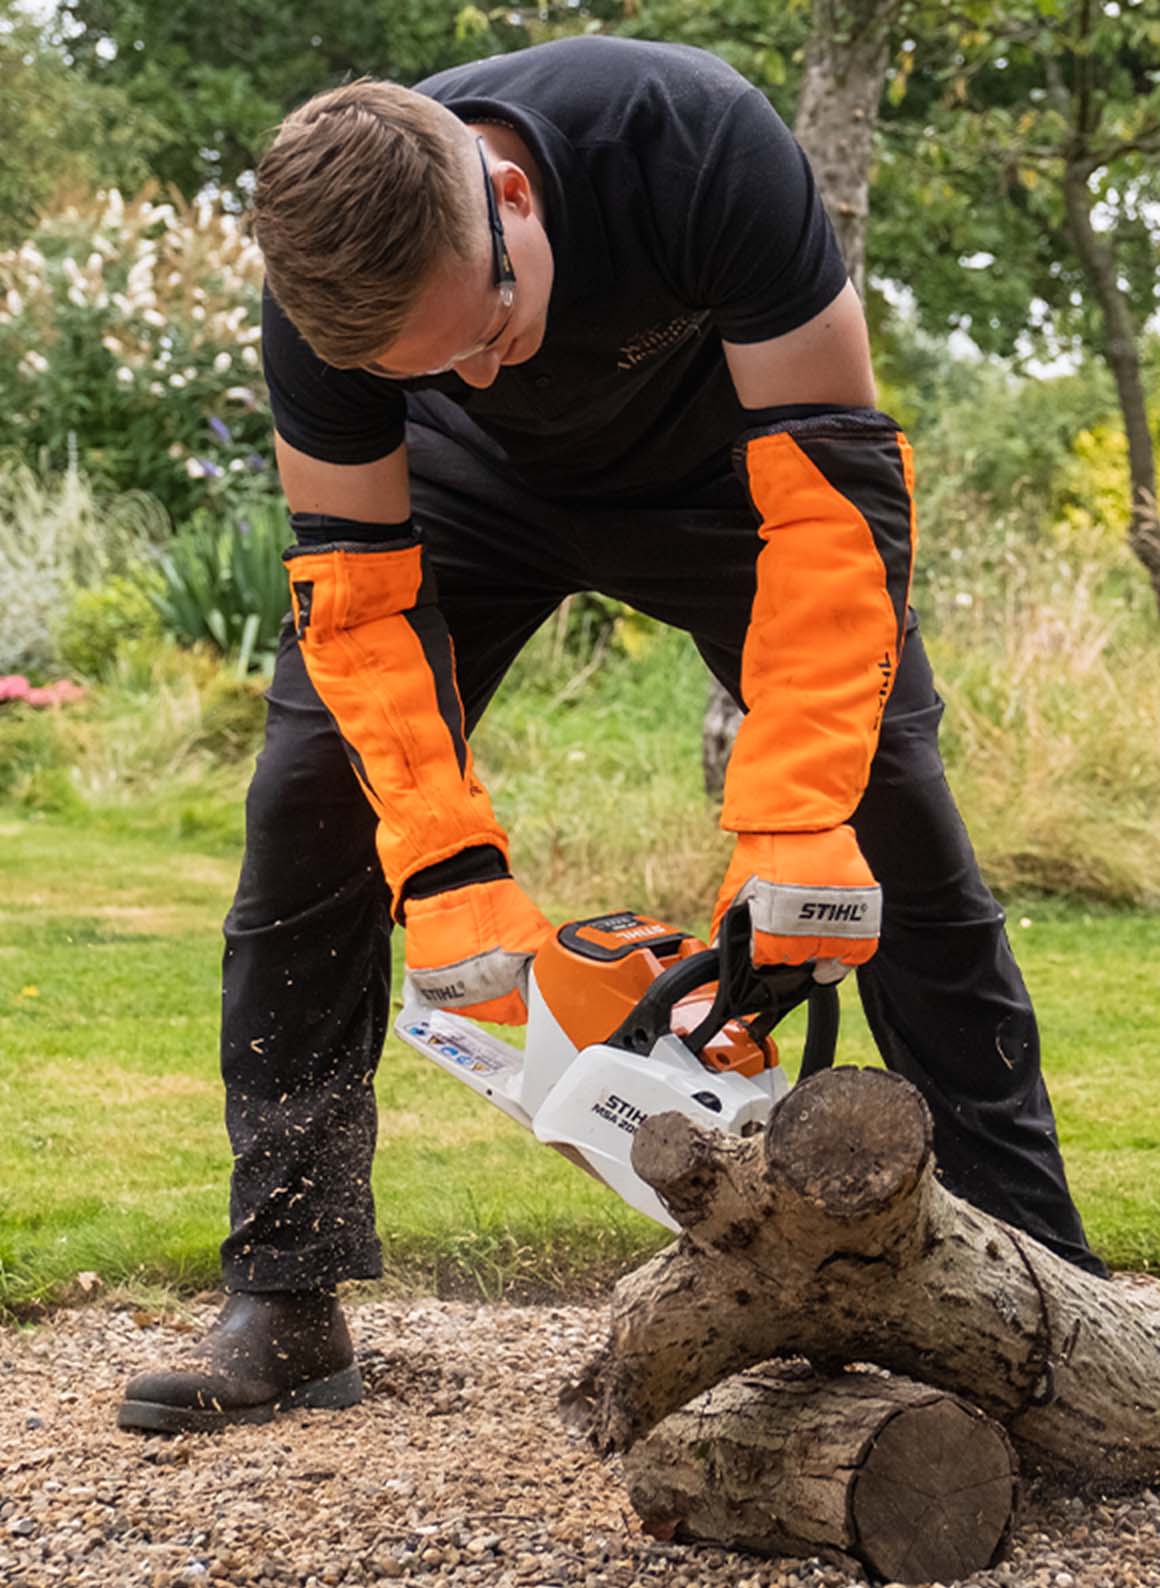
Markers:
<point>372,493</point>
<point>827,360</point>
<point>831,480</point>
<point>378,652</point>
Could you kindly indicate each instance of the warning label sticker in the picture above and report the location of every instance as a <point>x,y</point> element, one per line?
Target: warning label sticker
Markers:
<point>463,1055</point>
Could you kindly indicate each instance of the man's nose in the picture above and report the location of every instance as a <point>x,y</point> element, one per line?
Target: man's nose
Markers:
<point>480,369</point>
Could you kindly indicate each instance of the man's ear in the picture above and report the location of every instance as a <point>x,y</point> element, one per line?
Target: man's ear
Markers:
<point>512,187</point>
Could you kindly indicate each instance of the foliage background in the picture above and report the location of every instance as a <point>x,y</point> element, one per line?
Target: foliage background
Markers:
<point>129,364</point>
<point>140,530</point>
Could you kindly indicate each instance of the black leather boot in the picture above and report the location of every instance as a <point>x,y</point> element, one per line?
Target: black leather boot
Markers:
<point>268,1352</point>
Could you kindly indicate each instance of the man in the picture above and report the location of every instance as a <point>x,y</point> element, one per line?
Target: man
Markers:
<point>570,319</point>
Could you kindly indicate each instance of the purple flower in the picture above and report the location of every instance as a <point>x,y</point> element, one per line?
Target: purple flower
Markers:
<point>220,429</point>
<point>255,464</point>
<point>210,469</point>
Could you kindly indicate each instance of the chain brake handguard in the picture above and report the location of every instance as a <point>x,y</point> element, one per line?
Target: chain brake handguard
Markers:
<point>766,994</point>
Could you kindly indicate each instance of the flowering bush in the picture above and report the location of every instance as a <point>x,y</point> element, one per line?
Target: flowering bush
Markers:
<point>129,347</point>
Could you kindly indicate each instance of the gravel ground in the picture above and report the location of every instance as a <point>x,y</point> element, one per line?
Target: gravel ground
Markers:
<point>455,1468</point>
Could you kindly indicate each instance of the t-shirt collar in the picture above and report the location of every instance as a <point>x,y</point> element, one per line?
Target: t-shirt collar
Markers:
<point>572,217</point>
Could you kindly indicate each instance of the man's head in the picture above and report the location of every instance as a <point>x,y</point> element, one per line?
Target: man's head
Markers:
<point>395,242</point>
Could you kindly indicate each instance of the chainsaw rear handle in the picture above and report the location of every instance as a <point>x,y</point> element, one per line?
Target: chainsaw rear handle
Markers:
<point>768,994</point>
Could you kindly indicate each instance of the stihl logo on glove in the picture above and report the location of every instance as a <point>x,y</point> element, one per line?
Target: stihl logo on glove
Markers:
<point>779,907</point>
<point>491,974</point>
<point>810,896</point>
<point>833,912</point>
<point>443,995</point>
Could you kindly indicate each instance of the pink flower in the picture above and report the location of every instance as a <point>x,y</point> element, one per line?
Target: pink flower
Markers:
<point>66,691</point>
<point>16,687</point>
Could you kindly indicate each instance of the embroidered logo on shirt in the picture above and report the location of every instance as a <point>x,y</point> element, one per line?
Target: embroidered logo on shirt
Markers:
<point>659,339</point>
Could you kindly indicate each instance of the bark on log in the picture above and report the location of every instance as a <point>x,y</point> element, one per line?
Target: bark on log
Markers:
<point>860,1469</point>
<point>830,1238</point>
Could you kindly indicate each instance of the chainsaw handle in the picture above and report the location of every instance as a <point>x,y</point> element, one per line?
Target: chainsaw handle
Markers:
<point>650,1018</point>
<point>742,989</point>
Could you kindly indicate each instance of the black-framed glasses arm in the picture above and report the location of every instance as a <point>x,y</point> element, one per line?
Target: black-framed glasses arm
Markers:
<point>505,275</point>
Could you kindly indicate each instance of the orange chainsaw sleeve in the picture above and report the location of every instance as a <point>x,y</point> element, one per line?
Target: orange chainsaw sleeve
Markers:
<point>834,495</point>
<point>378,652</point>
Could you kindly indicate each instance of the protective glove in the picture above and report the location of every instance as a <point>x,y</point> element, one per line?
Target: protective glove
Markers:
<point>810,896</point>
<point>470,947</point>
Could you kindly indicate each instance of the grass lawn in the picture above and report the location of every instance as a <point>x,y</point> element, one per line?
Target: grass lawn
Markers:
<point>115,1162</point>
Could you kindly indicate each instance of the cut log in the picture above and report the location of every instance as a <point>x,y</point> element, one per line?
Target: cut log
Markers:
<point>910,1483</point>
<point>830,1238</point>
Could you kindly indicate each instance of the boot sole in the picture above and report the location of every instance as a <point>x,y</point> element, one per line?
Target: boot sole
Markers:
<point>333,1393</point>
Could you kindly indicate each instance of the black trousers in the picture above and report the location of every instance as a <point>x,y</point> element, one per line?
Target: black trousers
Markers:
<point>306,969</point>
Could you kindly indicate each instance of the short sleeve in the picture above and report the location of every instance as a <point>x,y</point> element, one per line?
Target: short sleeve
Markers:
<point>759,245</point>
<point>335,415</point>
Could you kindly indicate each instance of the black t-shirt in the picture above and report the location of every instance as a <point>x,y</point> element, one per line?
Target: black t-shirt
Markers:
<point>680,211</point>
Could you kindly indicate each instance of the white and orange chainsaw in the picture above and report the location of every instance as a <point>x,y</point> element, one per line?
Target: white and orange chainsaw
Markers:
<point>627,1017</point>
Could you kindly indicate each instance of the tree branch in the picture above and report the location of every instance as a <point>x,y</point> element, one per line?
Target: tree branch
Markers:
<point>1149,143</point>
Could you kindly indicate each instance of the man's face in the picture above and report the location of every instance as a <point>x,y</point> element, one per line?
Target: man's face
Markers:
<point>461,321</point>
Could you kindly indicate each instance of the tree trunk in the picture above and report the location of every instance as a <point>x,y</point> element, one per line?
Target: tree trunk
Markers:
<point>845,69</point>
<point>1121,353</point>
<point>718,730</point>
<point>861,1469</point>
<point>830,1238</point>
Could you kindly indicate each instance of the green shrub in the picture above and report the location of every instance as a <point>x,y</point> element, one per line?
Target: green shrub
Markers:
<point>30,745</point>
<point>102,622</point>
<point>224,583</point>
<point>50,790</point>
<point>233,718</point>
<point>57,538</point>
<point>163,739</point>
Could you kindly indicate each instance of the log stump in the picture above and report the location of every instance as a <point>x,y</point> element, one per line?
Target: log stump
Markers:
<point>861,1469</point>
<point>830,1238</point>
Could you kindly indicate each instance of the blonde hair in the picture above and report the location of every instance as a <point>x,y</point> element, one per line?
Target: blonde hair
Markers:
<point>364,191</point>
